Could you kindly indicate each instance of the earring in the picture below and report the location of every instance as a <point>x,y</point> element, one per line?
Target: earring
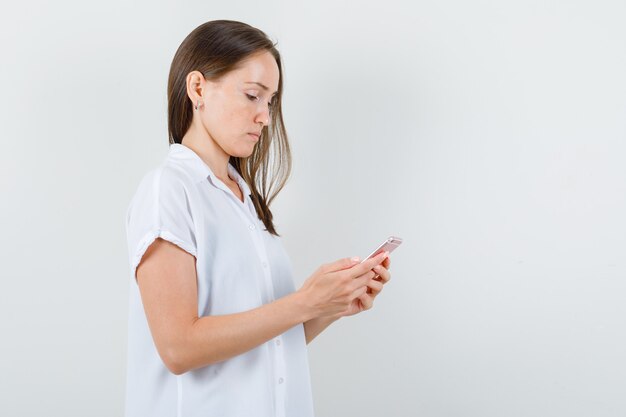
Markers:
<point>199,103</point>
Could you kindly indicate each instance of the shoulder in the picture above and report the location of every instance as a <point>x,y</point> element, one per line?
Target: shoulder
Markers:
<point>164,180</point>
<point>165,185</point>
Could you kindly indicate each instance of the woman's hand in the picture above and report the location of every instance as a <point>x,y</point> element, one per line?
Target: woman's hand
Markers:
<point>375,286</point>
<point>334,287</point>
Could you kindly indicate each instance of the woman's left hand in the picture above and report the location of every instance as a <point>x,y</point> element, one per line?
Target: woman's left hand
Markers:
<point>366,300</point>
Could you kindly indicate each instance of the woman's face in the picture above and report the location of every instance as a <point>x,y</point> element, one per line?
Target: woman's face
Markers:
<point>236,105</point>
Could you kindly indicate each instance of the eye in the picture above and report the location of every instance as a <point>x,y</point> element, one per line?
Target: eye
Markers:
<point>255,98</point>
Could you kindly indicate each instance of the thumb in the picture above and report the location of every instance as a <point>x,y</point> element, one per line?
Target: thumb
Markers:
<point>344,263</point>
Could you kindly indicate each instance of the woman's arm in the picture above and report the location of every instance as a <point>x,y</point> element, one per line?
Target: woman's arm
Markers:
<point>314,327</point>
<point>167,281</point>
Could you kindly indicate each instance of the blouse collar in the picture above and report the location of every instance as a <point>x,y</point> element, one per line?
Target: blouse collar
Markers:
<point>201,171</point>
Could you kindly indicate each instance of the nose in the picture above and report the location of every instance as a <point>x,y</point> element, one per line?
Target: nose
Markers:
<point>263,116</point>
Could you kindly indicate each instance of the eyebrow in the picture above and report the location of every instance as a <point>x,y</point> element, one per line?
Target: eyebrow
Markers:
<point>261,85</point>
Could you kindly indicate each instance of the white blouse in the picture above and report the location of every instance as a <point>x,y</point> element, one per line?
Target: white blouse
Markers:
<point>240,266</point>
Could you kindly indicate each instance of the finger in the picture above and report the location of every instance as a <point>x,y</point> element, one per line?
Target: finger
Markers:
<point>383,273</point>
<point>366,276</point>
<point>362,280</point>
<point>376,287</point>
<point>367,301</point>
<point>358,292</point>
<point>341,264</point>
<point>387,262</point>
<point>368,264</point>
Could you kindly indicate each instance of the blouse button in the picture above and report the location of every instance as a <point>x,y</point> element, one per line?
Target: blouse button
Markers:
<point>278,342</point>
<point>251,227</point>
<point>281,380</point>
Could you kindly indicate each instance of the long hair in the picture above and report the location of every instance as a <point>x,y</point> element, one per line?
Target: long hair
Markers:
<point>216,48</point>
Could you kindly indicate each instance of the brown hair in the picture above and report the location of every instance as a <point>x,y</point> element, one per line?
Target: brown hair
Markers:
<point>216,48</point>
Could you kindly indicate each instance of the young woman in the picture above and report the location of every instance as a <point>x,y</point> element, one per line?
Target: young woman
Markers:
<point>216,326</point>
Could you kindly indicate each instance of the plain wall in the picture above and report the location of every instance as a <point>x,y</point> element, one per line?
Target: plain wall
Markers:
<point>491,136</point>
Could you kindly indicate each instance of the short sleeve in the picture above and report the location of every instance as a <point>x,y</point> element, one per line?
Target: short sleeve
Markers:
<point>159,208</point>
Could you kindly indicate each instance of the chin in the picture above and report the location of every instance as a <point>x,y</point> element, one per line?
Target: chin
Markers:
<point>244,153</point>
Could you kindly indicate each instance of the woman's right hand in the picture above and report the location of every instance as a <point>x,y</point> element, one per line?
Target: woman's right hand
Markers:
<point>330,290</point>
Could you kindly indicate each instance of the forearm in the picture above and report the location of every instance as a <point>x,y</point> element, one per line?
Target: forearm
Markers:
<point>213,339</point>
<point>315,326</point>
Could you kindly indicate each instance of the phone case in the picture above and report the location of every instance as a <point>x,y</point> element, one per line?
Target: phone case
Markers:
<point>388,245</point>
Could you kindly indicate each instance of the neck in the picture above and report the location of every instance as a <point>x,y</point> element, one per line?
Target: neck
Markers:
<point>198,140</point>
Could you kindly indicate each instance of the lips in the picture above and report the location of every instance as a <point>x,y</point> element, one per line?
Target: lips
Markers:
<point>255,135</point>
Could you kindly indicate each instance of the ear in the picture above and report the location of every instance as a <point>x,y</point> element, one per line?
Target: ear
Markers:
<point>195,86</point>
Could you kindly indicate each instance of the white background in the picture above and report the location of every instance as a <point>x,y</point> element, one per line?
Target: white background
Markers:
<point>490,135</point>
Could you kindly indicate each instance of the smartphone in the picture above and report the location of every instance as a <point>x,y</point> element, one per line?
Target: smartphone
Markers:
<point>388,245</point>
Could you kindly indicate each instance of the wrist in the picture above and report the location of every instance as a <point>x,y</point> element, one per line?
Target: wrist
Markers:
<point>328,320</point>
<point>302,308</point>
